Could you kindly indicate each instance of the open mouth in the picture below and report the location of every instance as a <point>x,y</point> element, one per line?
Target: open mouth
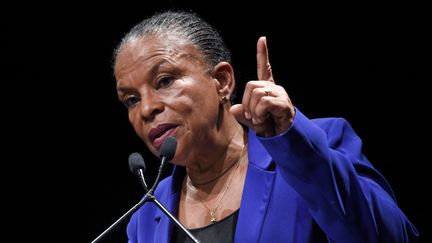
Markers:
<point>160,133</point>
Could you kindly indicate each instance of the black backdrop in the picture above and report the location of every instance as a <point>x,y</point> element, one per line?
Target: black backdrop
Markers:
<point>367,63</point>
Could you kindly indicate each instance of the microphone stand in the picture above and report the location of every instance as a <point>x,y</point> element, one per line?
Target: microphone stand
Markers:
<point>149,196</point>
<point>133,209</point>
<point>137,164</point>
<point>153,199</point>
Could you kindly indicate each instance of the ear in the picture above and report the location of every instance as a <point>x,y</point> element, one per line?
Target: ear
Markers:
<point>224,75</point>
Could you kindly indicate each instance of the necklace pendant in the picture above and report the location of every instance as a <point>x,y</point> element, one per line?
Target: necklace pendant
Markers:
<point>213,217</point>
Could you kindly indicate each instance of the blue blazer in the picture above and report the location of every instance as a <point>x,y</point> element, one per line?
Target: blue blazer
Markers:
<point>310,184</point>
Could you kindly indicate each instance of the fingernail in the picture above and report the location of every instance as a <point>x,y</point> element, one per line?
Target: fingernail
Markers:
<point>254,121</point>
<point>247,115</point>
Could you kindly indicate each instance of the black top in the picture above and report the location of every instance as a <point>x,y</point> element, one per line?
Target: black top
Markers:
<point>221,231</point>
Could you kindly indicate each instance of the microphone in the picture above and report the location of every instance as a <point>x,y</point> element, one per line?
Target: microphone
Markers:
<point>137,167</point>
<point>166,153</point>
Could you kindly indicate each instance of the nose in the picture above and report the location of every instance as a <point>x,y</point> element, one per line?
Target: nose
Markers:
<point>151,105</point>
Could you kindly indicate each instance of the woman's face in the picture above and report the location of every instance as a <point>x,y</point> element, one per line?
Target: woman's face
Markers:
<point>167,91</point>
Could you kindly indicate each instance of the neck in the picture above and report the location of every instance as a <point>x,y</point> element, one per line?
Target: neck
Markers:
<point>219,160</point>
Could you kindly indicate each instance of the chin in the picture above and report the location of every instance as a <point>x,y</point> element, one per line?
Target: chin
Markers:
<point>179,158</point>
<point>178,163</point>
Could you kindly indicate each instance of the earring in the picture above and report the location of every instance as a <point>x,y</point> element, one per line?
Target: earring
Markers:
<point>224,99</point>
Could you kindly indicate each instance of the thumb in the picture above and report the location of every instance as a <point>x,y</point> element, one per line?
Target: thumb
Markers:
<point>238,112</point>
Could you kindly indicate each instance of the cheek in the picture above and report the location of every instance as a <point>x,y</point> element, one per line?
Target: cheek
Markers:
<point>198,114</point>
<point>134,119</point>
<point>207,107</point>
<point>137,124</point>
<point>196,109</point>
<point>200,100</point>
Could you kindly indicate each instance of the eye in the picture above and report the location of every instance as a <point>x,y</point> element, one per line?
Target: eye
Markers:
<point>164,82</point>
<point>130,100</point>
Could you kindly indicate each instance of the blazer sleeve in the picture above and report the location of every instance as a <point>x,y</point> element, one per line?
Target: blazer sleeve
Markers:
<point>349,199</point>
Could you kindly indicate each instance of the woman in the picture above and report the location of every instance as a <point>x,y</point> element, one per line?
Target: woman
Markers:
<point>259,171</point>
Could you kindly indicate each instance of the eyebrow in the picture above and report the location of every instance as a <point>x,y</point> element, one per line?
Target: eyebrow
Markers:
<point>153,71</point>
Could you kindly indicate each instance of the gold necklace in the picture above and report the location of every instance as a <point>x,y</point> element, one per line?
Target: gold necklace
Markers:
<point>213,212</point>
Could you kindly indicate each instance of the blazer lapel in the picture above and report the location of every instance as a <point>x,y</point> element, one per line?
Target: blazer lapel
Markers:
<point>170,200</point>
<point>162,231</point>
<point>256,193</point>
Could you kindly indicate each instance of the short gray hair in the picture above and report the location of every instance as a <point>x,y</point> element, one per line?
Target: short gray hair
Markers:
<point>184,26</point>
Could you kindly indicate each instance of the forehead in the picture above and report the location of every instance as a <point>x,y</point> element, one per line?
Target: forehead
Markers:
<point>149,48</point>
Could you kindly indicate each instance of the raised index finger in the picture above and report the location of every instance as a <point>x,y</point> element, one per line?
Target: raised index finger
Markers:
<point>263,62</point>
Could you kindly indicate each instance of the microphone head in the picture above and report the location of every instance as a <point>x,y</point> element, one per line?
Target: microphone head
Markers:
<point>168,148</point>
<point>136,162</point>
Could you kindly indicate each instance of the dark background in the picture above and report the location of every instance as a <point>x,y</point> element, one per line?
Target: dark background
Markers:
<point>367,63</point>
